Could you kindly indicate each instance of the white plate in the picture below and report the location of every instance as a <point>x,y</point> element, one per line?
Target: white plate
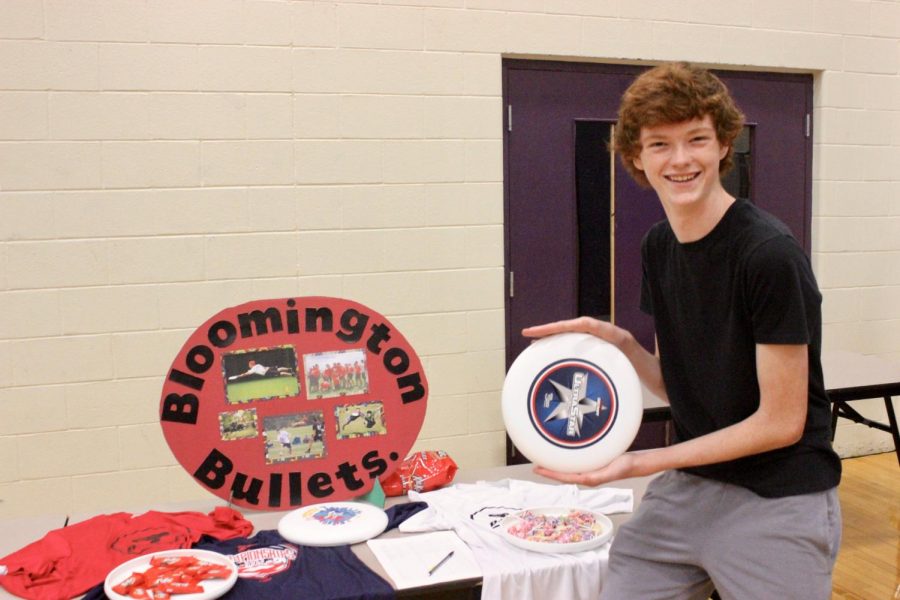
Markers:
<point>572,402</point>
<point>333,523</point>
<point>601,530</point>
<point>212,588</point>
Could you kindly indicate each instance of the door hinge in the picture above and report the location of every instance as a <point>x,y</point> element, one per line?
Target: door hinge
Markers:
<point>808,124</point>
<point>509,117</point>
<point>512,284</point>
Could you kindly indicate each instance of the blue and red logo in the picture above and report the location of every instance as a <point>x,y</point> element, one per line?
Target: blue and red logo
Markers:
<point>332,515</point>
<point>572,403</point>
<point>261,562</point>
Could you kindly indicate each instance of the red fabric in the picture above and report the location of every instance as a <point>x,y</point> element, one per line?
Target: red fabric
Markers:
<point>69,561</point>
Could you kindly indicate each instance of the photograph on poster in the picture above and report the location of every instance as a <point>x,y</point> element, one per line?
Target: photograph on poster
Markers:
<point>238,425</point>
<point>297,436</point>
<point>260,374</point>
<point>359,420</point>
<point>336,374</point>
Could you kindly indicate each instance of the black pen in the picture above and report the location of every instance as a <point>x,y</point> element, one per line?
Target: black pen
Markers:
<point>440,562</point>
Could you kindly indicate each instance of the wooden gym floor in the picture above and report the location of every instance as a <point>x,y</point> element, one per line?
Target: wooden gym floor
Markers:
<point>868,565</point>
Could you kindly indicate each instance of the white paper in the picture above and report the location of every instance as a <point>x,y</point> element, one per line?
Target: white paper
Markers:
<point>407,559</point>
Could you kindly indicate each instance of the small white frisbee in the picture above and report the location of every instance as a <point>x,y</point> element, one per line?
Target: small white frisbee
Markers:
<point>333,523</point>
<point>572,402</point>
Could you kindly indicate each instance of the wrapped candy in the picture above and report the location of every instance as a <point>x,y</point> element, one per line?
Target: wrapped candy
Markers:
<point>421,472</point>
<point>574,526</point>
<point>168,576</point>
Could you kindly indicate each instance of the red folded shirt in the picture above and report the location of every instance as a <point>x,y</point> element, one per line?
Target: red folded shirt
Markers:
<point>69,561</point>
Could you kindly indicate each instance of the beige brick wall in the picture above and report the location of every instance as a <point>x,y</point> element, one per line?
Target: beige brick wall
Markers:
<point>138,140</point>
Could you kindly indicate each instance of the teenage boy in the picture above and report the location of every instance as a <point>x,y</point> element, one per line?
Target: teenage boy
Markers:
<point>746,502</point>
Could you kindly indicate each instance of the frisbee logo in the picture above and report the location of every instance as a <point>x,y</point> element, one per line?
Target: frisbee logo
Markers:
<point>332,515</point>
<point>572,403</point>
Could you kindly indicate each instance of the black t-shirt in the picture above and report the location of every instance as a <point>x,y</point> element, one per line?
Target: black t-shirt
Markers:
<point>747,282</point>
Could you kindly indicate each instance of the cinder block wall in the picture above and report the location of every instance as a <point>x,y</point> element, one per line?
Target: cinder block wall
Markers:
<point>162,160</point>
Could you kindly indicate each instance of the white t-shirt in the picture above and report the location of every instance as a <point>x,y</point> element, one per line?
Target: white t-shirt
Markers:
<point>511,573</point>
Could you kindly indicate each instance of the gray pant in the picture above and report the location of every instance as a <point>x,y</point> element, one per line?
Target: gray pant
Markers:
<point>691,535</point>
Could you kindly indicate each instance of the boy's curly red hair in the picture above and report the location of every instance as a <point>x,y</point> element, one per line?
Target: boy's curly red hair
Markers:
<point>673,93</point>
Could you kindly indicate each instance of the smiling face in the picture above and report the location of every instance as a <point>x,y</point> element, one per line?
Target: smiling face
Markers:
<point>681,162</point>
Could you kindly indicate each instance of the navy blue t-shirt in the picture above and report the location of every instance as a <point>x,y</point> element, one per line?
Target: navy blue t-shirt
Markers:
<point>271,567</point>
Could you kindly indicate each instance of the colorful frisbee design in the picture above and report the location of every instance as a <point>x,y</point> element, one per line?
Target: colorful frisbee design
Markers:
<point>572,402</point>
<point>333,524</point>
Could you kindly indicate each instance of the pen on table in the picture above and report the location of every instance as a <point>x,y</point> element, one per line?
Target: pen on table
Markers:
<point>440,562</point>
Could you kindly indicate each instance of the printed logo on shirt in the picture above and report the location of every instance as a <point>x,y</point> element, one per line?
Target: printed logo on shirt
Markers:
<point>572,403</point>
<point>265,561</point>
<point>491,516</point>
<point>149,539</point>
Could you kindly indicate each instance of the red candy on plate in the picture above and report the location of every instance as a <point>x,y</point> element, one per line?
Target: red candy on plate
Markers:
<point>170,575</point>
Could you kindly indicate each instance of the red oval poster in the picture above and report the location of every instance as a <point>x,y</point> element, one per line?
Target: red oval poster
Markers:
<point>276,404</point>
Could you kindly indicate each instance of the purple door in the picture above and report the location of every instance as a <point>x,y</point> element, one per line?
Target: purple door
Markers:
<point>546,101</point>
<point>541,224</point>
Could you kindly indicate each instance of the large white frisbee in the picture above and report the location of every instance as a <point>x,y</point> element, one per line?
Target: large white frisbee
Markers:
<point>333,523</point>
<point>572,402</point>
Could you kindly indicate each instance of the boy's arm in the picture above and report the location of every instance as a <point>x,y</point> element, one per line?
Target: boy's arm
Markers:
<point>782,372</point>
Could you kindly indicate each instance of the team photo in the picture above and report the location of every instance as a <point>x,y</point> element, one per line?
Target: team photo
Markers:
<point>238,425</point>
<point>298,436</point>
<point>359,420</point>
<point>335,374</point>
<point>260,374</point>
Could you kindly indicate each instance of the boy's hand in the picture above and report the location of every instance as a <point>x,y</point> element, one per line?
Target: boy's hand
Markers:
<point>602,329</point>
<point>621,467</point>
